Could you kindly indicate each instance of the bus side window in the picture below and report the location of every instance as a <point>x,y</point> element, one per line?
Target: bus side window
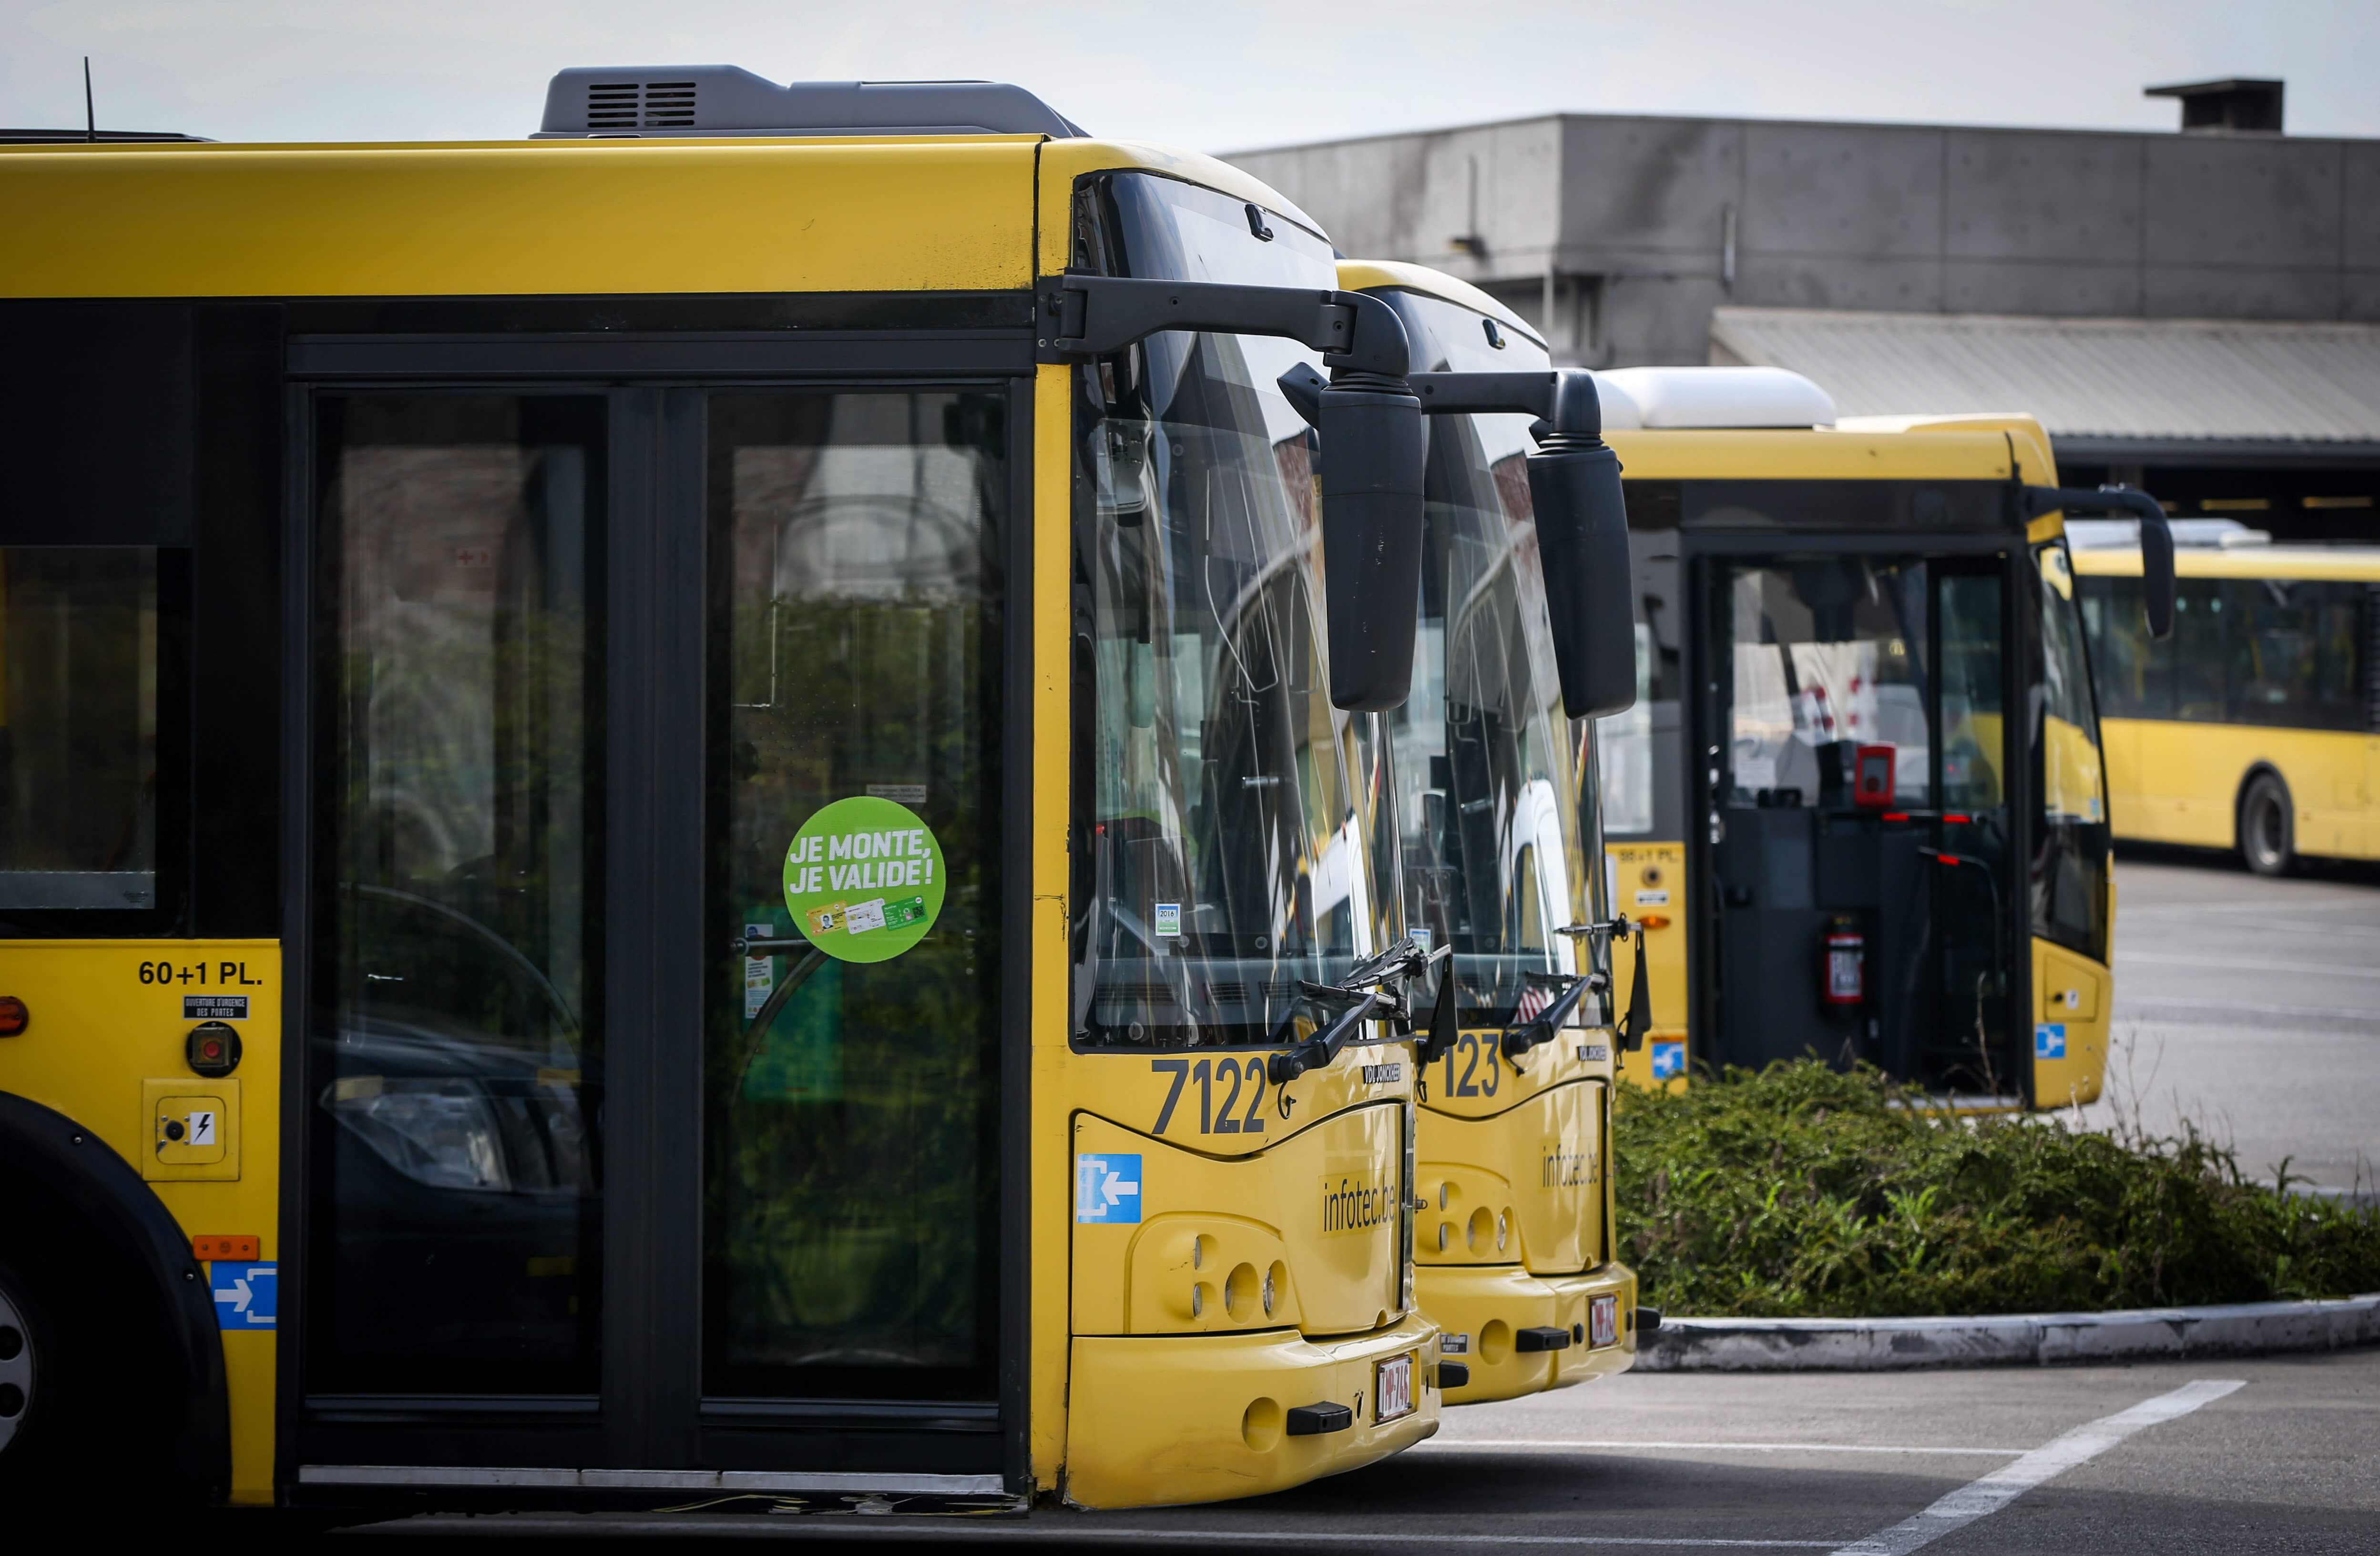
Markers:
<point>79,760</point>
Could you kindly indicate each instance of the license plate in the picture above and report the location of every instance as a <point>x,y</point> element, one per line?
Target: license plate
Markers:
<point>1393,1391</point>
<point>1602,1322</point>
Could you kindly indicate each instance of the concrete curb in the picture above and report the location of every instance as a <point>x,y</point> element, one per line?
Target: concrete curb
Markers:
<point>2006,1340</point>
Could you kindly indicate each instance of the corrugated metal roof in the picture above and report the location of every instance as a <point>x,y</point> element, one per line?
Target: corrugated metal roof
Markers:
<point>2220,380</point>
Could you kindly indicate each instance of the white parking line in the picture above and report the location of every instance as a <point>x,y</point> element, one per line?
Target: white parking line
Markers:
<point>2061,1453</point>
<point>1606,1444</point>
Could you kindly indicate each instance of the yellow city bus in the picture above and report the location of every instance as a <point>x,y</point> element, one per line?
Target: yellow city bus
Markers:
<point>2256,727</point>
<point>1837,838</point>
<point>1514,1258</point>
<point>688,817</point>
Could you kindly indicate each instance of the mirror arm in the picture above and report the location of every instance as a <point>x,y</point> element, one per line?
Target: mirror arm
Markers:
<point>1518,1040</point>
<point>1563,400</point>
<point>1083,317</point>
<point>1324,1046</point>
<point>2157,537</point>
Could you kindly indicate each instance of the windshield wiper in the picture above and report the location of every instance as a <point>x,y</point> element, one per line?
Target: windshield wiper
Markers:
<point>1639,1019</point>
<point>1541,1028</point>
<point>1374,990</point>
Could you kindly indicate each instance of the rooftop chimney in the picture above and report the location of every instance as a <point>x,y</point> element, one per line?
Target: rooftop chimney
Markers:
<point>2237,106</point>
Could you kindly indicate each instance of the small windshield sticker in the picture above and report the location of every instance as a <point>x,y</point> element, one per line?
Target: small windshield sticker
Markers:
<point>898,793</point>
<point>758,972</point>
<point>1168,918</point>
<point>865,877</point>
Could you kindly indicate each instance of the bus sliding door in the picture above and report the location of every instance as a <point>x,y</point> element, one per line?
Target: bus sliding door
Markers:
<point>651,1100</point>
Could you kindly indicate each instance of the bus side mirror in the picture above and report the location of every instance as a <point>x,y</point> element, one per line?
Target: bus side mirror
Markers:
<point>1374,452</point>
<point>2156,572</point>
<point>1582,535</point>
<point>1370,476</point>
<point>2157,539</point>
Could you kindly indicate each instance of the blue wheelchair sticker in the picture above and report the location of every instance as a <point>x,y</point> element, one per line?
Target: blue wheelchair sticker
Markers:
<point>2049,1040</point>
<point>1668,1059</point>
<point>246,1294</point>
<point>1107,1188</point>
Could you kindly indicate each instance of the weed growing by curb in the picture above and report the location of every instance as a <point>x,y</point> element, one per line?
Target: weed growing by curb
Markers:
<point>1803,1191</point>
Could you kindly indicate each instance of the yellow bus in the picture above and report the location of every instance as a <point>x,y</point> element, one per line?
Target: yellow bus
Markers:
<point>1860,803</point>
<point>689,815</point>
<point>1515,1257</point>
<point>2256,727</point>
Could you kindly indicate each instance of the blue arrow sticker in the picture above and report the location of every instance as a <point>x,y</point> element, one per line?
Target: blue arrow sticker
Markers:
<point>1107,1188</point>
<point>1668,1059</point>
<point>247,1294</point>
<point>2049,1040</point>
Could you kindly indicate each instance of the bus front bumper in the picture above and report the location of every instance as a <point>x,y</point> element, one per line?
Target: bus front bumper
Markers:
<point>1483,1307</point>
<point>1202,1417</point>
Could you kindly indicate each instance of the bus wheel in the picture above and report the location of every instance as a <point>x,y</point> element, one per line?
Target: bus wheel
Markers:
<point>28,1360</point>
<point>2267,830</point>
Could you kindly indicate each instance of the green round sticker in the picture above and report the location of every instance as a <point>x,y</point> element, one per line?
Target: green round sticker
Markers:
<point>864,878</point>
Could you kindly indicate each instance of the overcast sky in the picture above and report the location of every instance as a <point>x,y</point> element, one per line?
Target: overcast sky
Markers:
<point>1217,75</point>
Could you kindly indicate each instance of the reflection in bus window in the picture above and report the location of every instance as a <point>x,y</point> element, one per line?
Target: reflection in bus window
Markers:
<point>2068,872</point>
<point>1482,750</point>
<point>1233,811</point>
<point>1829,653</point>
<point>79,639</point>
<point>456,1064</point>
<point>847,1225</point>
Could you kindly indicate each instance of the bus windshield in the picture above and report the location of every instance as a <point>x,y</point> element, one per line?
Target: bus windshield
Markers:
<point>2069,866</point>
<point>1484,771</point>
<point>1231,808</point>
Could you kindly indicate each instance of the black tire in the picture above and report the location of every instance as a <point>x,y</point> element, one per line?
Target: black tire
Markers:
<point>88,1421</point>
<point>2268,833</point>
<point>34,1396</point>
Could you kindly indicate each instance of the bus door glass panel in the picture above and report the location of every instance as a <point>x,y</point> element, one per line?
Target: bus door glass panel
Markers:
<point>2069,865</point>
<point>1970,900</point>
<point>850,1072</point>
<point>82,630</point>
<point>1482,759</point>
<point>1232,812</point>
<point>1824,654</point>
<point>456,1066</point>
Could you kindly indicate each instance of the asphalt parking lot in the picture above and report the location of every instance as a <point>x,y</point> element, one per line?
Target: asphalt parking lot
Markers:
<point>2251,1007</point>
<point>2280,1454</point>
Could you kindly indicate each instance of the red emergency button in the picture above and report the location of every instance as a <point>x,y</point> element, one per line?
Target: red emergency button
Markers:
<point>212,1049</point>
<point>14,1017</point>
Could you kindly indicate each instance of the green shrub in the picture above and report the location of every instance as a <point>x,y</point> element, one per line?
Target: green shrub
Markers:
<point>1805,1191</point>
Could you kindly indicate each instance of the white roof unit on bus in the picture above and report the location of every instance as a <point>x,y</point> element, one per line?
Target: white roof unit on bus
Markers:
<point>1675,397</point>
<point>697,100</point>
<point>2122,534</point>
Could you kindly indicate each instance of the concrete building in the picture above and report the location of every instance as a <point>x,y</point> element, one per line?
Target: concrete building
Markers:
<point>2221,285</point>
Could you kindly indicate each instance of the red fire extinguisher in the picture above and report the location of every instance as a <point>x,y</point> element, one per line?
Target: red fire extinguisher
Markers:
<point>1846,965</point>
